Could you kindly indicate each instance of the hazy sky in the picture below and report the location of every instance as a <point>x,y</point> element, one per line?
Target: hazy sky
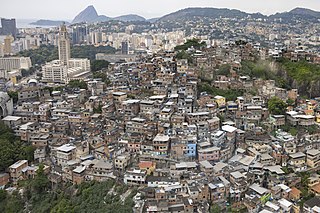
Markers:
<point>68,9</point>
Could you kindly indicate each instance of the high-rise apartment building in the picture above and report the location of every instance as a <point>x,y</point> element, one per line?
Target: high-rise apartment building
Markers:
<point>64,46</point>
<point>9,27</point>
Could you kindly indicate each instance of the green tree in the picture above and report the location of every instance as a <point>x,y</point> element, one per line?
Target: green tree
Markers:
<point>103,77</point>
<point>98,109</point>
<point>230,94</point>
<point>98,65</point>
<point>64,205</point>
<point>277,106</point>
<point>90,51</point>
<point>78,84</point>
<point>12,203</point>
<point>3,195</point>
<point>27,153</point>
<point>215,208</point>
<point>40,182</point>
<point>12,149</point>
<point>224,70</point>
<point>13,95</point>
<point>195,43</point>
<point>41,55</point>
<point>293,131</point>
<point>290,102</point>
<point>47,53</point>
<point>184,55</point>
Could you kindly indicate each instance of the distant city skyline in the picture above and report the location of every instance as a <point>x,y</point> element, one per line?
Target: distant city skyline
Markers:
<point>67,10</point>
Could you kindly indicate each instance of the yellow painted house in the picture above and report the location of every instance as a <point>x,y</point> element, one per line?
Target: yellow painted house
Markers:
<point>220,100</point>
<point>318,118</point>
<point>311,105</point>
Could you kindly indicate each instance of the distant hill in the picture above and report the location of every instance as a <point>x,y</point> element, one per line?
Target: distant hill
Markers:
<point>130,17</point>
<point>298,13</point>
<point>43,22</point>
<point>190,13</point>
<point>90,15</point>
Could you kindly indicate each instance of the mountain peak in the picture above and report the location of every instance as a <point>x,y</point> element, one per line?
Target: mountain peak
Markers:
<point>90,15</point>
<point>87,15</point>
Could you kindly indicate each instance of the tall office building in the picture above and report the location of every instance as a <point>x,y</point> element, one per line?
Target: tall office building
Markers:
<point>64,46</point>
<point>125,48</point>
<point>66,68</point>
<point>1,50</point>
<point>79,34</point>
<point>9,27</point>
<point>7,49</point>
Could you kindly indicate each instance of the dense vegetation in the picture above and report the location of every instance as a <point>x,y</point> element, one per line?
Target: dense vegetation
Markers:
<point>77,84</point>
<point>12,148</point>
<point>38,196</point>
<point>97,65</point>
<point>41,55</point>
<point>184,55</point>
<point>195,43</point>
<point>224,69</point>
<point>263,69</point>
<point>90,51</point>
<point>277,106</point>
<point>86,197</point>
<point>25,72</point>
<point>287,74</point>
<point>302,75</point>
<point>13,95</point>
<point>103,76</point>
<point>47,53</point>
<point>230,94</point>
<point>301,71</point>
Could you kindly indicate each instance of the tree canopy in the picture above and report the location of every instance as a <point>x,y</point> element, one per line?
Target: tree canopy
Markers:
<point>86,197</point>
<point>230,94</point>
<point>97,65</point>
<point>103,77</point>
<point>90,51</point>
<point>184,55</point>
<point>13,95</point>
<point>78,84</point>
<point>12,149</point>
<point>215,208</point>
<point>47,53</point>
<point>277,106</point>
<point>224,70</point>
<point>302,71</point>
<point>195,43</point>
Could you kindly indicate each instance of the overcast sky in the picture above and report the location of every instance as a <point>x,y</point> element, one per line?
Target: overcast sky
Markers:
<point>68,9</point>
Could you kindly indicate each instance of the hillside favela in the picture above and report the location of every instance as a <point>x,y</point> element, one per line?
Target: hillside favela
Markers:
<point>190,106</point>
